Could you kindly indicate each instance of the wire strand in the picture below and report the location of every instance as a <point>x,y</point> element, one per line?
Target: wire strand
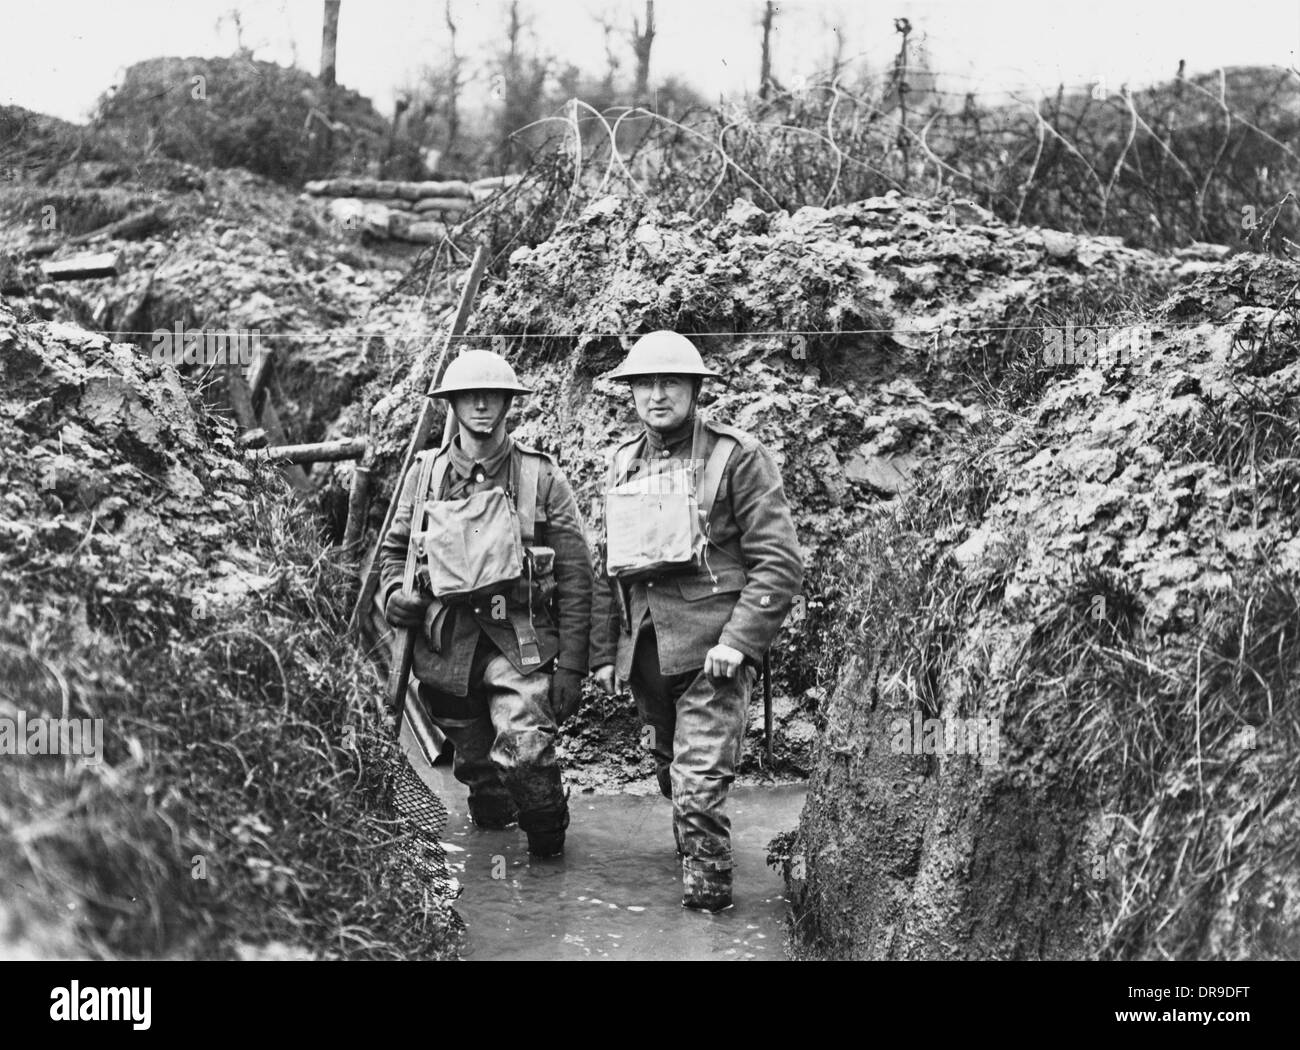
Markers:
<point>752,334</point>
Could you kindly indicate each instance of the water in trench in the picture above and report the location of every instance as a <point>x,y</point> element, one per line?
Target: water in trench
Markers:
<point>616,892</point>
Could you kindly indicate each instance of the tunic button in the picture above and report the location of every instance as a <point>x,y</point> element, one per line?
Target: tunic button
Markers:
<point>664,453</point>
<point>650,583</point>
<point>715,590</point>
<point>478,609</point>
<point>765,600</point>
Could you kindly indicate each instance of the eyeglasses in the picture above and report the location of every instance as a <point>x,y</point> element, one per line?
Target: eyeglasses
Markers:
<point>670,385</point>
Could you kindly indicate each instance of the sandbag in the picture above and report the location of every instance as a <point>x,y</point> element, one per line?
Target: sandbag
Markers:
<point>443,204</point>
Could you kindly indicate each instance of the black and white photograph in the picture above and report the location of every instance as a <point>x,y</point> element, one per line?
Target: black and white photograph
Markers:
<point>649,480</point>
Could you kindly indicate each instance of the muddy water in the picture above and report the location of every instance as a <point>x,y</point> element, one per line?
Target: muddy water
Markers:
<point>616,893</point>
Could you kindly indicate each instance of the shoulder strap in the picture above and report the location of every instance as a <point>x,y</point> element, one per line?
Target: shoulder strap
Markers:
<point>432,469</point>
<point>529,466</point>
<point>623,455</point>
<point>713,469</point>
<point>440,465</point>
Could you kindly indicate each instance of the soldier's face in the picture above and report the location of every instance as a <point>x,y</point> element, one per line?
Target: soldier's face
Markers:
<point>480,411</point>
<point>662,402</point>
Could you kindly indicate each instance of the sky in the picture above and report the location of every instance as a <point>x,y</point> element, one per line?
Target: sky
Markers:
<point>58,56</point>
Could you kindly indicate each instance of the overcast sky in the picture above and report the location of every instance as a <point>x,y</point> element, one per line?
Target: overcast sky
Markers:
<point>57,56</point>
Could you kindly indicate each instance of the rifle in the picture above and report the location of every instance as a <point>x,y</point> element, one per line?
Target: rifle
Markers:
<point>403,650</point>
<point>767,706</point>
<point>420,435</point>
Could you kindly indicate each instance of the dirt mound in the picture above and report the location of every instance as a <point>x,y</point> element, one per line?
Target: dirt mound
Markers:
<point>1113,584</point>
<point>235,253</point>
<point>842,333</point>
<point>151,580</point>
<point>848,336</point>
<point>238,112</point>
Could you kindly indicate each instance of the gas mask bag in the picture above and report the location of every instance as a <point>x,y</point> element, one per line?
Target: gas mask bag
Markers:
<point>472,547</point>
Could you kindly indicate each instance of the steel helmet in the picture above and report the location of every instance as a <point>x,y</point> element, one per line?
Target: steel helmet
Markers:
<point>662,353</point>
<point>479,370</point>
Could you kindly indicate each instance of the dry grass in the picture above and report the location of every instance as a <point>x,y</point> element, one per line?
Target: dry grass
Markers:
<point>225,748</point>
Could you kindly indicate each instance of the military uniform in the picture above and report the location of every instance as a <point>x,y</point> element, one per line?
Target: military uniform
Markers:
<point>657,632</point>
<point>475,677</point>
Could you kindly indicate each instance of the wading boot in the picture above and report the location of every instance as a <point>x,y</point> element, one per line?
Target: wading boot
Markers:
<point>705,890</point>
<point>545,831</point>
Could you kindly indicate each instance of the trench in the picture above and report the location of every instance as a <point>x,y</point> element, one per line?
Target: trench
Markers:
<point>616,892</point>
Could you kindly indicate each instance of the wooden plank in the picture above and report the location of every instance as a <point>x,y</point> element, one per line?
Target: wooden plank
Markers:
<point>318,452</point>
<point>83,267</point>
<point>137,224</point>
<point>358,504</point>
<point>259,373</point>
<point>420,435</point>
<point>241,403</point>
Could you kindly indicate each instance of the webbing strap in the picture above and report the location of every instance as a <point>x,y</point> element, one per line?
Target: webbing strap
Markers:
<point>712,480</point>
<point>529,469</point>
<point>428,462</point>
<point>524,470</point>
<point>619,463</point>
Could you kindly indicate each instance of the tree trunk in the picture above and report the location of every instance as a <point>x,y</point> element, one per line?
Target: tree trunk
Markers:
<point>641,44</point>
<point>329,42</point>
<point>765,69</point>
<point>453,85</point>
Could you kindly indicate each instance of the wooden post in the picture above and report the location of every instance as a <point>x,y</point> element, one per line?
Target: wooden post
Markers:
<point>259,374</point>
<point>318,452</point>
<point>241,403</point>
<point>136,225</point>
<point>420,435</point>
<point>358,504</point>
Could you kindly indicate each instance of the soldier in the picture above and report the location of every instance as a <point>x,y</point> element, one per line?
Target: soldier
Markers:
<point>690,641</point>
<point>498,673</point>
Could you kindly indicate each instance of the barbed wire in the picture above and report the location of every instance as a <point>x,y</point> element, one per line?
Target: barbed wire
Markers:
<point>753,334</point>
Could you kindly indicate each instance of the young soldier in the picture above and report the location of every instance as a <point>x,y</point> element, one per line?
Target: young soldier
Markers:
<point>499,674</point>
<point>690,642</point>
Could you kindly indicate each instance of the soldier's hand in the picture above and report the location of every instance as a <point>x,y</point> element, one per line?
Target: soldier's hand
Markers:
<point>566,694</point>
<point>604,675</point>
<point>722,661</point>
<point>406,610</point>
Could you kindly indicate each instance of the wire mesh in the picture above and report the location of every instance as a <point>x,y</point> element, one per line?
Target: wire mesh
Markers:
<point>423,819</point>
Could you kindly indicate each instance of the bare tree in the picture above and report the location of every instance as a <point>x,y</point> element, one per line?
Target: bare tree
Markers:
<point>453,82</point>
<point>612,63</point>
<point>903,27</point>
<point>521,83</point>
<point>765,68</point>
<point>512,34</point>
<point>837,56</point>
<point>329,43</point>
<point>642,41</point>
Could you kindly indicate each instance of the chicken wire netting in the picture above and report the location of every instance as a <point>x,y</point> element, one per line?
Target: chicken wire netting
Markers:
<point>423,820</point>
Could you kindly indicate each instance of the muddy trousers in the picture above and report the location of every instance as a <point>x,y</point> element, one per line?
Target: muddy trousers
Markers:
<point>695,730</point>
<point>505,755</point>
